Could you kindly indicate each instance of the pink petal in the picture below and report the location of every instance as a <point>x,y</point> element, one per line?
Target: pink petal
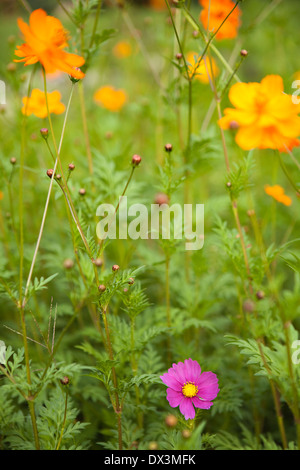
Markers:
<point>179,370</point>
<point>203,404</point>
<point>186,408</point>
<point>174,398</point>
<point>207,386</point>
<point>171,379</point>
<point>192,370</point>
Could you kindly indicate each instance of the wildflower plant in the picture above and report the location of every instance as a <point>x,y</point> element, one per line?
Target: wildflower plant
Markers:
<point>135,342</point>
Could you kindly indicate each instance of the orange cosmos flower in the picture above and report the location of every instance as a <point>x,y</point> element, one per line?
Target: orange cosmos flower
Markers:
<point>203,72</point>
<point>110,98</point>
<point>277,192</point>
<point>45,41</point>
<point>36,103</point>
<point>122,49</point>
<point>265,116</point>
<point>214,13</point>
<point>158,4</point>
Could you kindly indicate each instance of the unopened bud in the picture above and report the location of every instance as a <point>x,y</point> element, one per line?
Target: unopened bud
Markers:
<point>82,191</point>
<point>102,288</point>
<point>68,263</point>
<point>11,67</point>
<point>73,79</point>
<point>115,267</point>
<point>13,160</point>
<point>186,433</point>
<point>50,173</point>
<point>65,380</point>
<point>44,132</point>
<point>161,198</point>
<point>171,421</point>
<point>244,53</point>
<point>97,262</point>
<point>178,56</point>
<point>71,167</point>
<point>233,125</point>
<point>131,281</point>
<point>260,295</point>
<point>248,306</point>
<point>168,147</point>
<point>153,445</point>
<point>136,160</point>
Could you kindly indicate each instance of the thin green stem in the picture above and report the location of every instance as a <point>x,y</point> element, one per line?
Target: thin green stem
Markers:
<point>46,204</point>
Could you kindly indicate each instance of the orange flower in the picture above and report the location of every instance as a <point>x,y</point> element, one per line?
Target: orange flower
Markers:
<point>203,72</point>
<point>110,98</point>
<point>158,4</point>
<point>122,49</point>
<point>265,116</point>
<point>36,103</point>
<point>45,40</point>
<point>1,195</point>
<point>214,13</point>
<point>277,192</point>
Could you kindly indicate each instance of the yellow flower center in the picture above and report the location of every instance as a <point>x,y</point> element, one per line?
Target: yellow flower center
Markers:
<point>189,390</point>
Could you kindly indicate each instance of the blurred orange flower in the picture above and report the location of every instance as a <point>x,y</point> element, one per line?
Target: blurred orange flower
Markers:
<point>36,103</point>
<point>1,195</point>
<point>45,40</point>
<point>110,98</point>
<point>277,192</point>
<point>214,13</point>
<point>265,116</point>
<point>158,4</point>
<point>203,72</point>
<point>122,49</point>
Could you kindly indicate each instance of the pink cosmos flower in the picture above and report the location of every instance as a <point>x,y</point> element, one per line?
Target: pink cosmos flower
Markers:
<point>188,387</point>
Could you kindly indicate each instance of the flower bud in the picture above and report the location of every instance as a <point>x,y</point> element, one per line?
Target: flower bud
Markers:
<point>11,67</point>
<point>71,167</point>
<point>248,305</point>
<point>50,173</point>
<point>171,421</point>
<point>65,380</point>
<point>44,132</point>
<point>260,295</point>
<point>233,125</point>
<point>153,445</point>
<point>244,53</point>
<point>131,281</point>
<point>136,160</point>
<point>82,191</point>
<point>161,198</point>
<point>68,263</point>
<point>13,160</point>
<point>102,288</point>
<point>186,433</point>
<point>115,267</point>
<point>168,147</point>
<point>97,262</point>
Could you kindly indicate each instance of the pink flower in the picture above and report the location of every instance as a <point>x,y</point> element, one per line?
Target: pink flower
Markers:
<point>188,387</point>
